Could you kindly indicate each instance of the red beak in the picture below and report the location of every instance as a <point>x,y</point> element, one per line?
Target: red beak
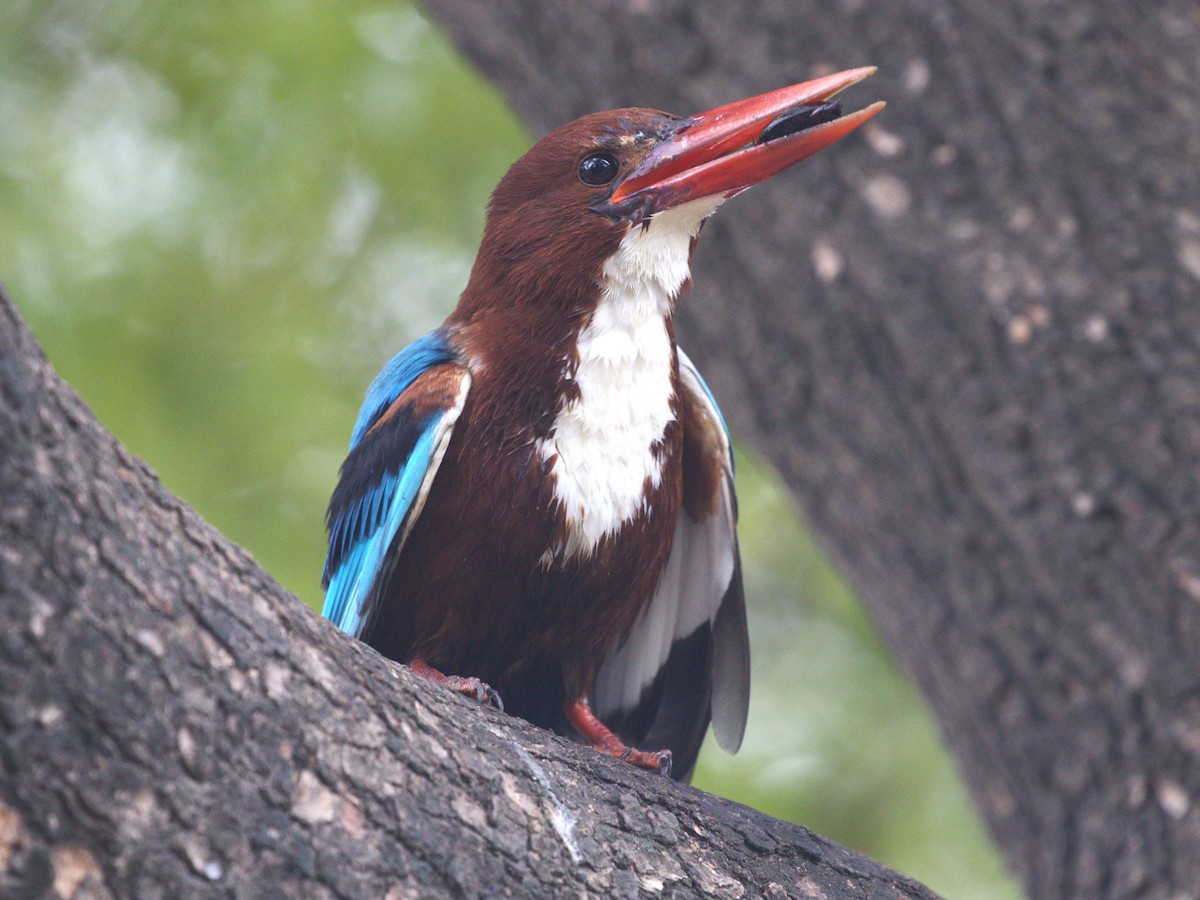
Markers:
<point>732,147</point>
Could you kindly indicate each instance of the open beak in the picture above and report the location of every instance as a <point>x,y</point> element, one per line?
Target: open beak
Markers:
<point>732,147</point>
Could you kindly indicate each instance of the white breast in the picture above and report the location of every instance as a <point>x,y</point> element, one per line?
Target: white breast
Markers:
<point>601,442</point>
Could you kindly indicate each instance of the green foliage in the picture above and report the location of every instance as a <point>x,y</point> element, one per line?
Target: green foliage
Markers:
<point>221,219</point>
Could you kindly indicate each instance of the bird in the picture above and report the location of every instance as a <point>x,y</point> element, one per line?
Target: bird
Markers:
<point>537,508</point>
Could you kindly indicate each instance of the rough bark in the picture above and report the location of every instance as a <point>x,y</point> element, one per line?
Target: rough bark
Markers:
<point>173,723</point>
<point>970,340</point>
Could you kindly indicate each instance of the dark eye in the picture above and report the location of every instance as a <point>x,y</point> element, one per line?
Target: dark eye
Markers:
<point>597,169</point>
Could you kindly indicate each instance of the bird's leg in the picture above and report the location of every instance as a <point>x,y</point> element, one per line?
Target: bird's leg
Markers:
<point>469,687</point>
<point>583,720</point>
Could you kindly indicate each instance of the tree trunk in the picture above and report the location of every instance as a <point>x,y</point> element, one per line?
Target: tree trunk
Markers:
<point>969,338</point>
<point>173,723</point>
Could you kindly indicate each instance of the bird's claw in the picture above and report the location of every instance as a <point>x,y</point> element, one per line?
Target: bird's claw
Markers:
<point>468,686</point>
<point>665,762</point>
<point>477,690</point>
<point>660,761</point>
<point>596,733</point>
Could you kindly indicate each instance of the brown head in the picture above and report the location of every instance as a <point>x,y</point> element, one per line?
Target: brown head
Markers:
<point>564,208</point>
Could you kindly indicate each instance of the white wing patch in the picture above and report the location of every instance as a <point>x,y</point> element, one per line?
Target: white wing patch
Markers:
<point>601,442</point>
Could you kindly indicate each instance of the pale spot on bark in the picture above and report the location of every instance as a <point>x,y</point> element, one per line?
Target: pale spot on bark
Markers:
<point>406,891</point>
<point>522,801</point>
<point>275,679</point>
<point>152,642</point>
<point>1187,221</point>
<point>187,747</point>
<point>218,657</point>
<point>651,884</point>
<point>1173,799</point>
<point>886,143</point>
<point>1083,504</point>
<point>354,821</point>
<point>238,679</point>
<point>715,883</point>
<point>1186,728</point>
<point>316,668</point>
<point>12,835</point>
<point>312,801</point>
<point>1095,329</point>
<point>827,262</point>
<point>1020,330</point>
<point>887,196</point>
<point>1021,218</point>
<point>1190,582</point>
<point>37,622</point>
<point>73,866</point>
<point>944,154</point>
<point>1038,315</point>
<point>1133,671</point>
<point>140,815</point>
<point>916,76</point>
<point>469,811</point>
<point>1189,257</point>
<point>201,857</point>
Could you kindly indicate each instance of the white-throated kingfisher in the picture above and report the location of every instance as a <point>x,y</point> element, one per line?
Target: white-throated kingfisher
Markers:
<point>538,500</point>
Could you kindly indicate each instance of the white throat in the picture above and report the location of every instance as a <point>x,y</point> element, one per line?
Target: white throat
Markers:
<point>602,441</point>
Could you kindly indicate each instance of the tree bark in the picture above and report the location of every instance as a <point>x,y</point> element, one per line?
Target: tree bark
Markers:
<point>969,339</point>
<point>173,723</point>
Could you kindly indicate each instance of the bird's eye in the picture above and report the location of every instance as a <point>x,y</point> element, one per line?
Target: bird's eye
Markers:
<point>598,168</point>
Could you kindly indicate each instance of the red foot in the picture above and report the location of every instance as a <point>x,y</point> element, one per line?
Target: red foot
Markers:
<point>583,720</point>
<point>468,687</point>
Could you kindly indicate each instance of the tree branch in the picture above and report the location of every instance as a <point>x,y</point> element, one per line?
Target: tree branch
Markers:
<point>173,722</point>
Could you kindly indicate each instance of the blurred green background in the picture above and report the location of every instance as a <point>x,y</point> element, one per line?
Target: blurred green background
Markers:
<point>221,218</point>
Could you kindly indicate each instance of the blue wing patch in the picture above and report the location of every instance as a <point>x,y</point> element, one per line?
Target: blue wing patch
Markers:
<point>398,442</point>
<point>401,370</point>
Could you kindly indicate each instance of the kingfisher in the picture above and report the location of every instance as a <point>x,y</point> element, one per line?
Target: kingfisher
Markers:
<point>538,500</point>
